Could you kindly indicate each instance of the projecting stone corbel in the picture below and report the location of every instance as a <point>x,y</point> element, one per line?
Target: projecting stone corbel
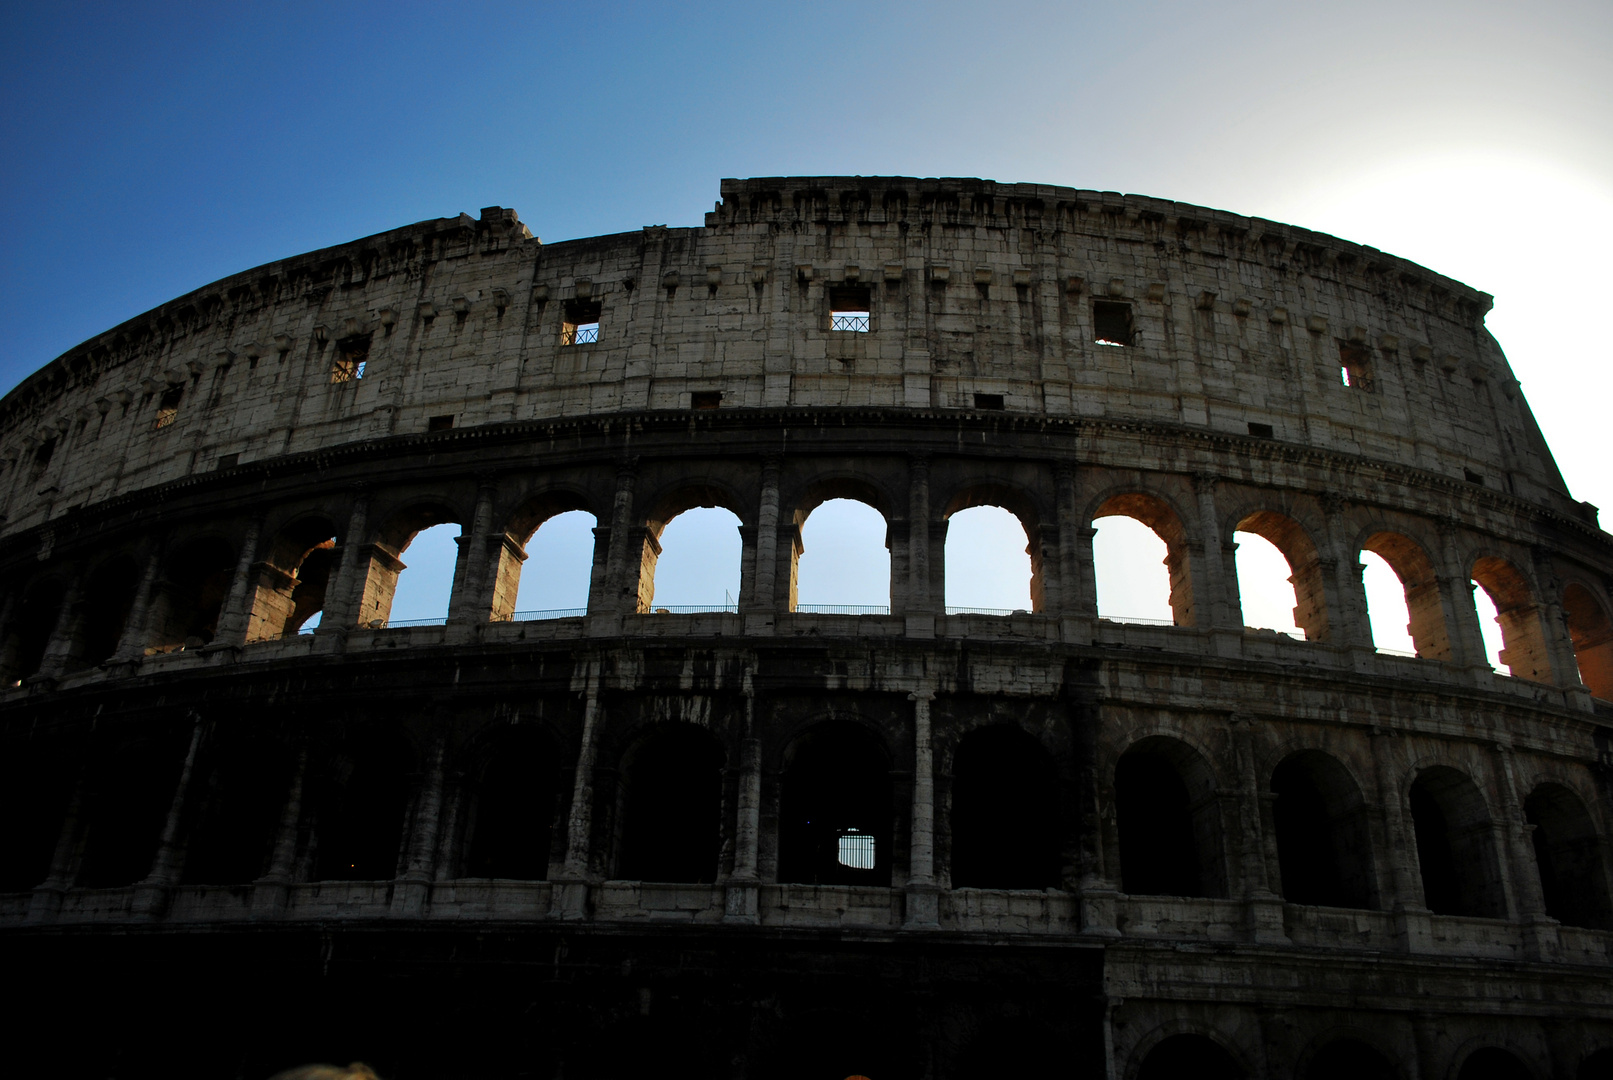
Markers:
<point>224,357</point>
<point>803,272</point>
<point>321,333</point>
<point>1117,287</point>
<point>1022,278</point>
<point>940,275</point>
<point>758,274</point>
<point>540,294</point>
<point>282,344</point>
<point>1242,306</point>
<point>1205,301</point>
<point>894,273</point>
<point>388,318</point>
<point>1316,324</point>
<point>1074,285</point>
<point>713,277</point>
<point>462,304</point>
<point>1279,315</point>
<point>853,274</point>
<point>584,288</point>
<point>1156,291</point>
<point>501,299</point>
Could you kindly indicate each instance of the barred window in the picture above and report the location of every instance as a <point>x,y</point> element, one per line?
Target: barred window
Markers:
<point>856,850</point>
<point>580,326</point>
<point>352,354</point>
<point>849,308</point>
<point>168,408</point>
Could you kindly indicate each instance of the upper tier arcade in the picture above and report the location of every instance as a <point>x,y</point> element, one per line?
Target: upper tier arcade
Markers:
<point>979,295</point>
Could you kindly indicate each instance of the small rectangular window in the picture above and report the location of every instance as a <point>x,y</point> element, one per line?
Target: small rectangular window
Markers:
<point>1355,367</point>
<point>988,401</point>
<point>228,461</point>
<point>1111,322</point>
<point>440,423</point>
<point>1261,431</point>
<point>1473,477</point>
<point>351,355</point>
<point>849,308</point>
<point>168,408</point>
<point>705,399</point>
<point>580,324</point>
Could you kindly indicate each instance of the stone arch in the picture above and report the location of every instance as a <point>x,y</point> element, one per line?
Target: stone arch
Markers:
<point>1179,1049</point>
<point>108,601</point>
<point>835,790</point>
<point>36,788</point>
<point>397,531</point>
<point>190,594</point>
<point>243,776</point>
<point>1166,521</point>
<point>1570,857</point>
<point>1293,539</point>
<point>362,793</point>
<point>293,578</point>
<point>1324,845</point>
<point>31,627</point>
<point>513,797</point>
<point>674,500</point>
<point>1409,560</point>
<point>856,488</point>
<point>1025,508</point>
<point>1347,1056</point>
<point>669,796</point>
<point>519,528</point>
<point>1522,635</point>
<point>1455,841</point>
<point>128,795</point>
<point>1591,630</point>
<point>1597,1065</point>
<point>1004,815</point>
<point>1168,819</point>
<point>1493,1063</point>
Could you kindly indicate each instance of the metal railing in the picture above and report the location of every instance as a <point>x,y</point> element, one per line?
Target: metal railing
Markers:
<point>952,610</point>
<point>854,321</point>
<point>391,624</point>
<point>549,613</point>
<point>586,334</point>
<point>694,609</point>
<point>1136,620</point>
<point>842,609</point>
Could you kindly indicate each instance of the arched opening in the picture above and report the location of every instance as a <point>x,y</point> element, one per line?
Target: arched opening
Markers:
<point>1323,847</point>
<point>1133,535</point>
<point>554,580</point>
<point>1598,1066</point>
<point>424,587</point>
<point>1456,846</point>
<point>108,599</point>
<point>691,562</point>
<point>1004,812</point>
<point>835,817</point>
<point>291,581</point>
<point>513,805</point>
<point>363,798</point>
<point>190,596</point>
<point>1400,578</point>
<point>1493,1063</point>
<point>1197,1056</point>
<point>844,566</point>
<point>1017,1048</point>
<point>1592,633</point>
<point>29,635</point>
<point>1523,641</point>
<point>1168,820</point>
<point>670,800</point>
<point>1350,1059</point>
<point>237,809</point>
<point>34,791</point>
<point>991,567</point>
<point>127,804</point>
<point>1277,563</point>
<point>1568,851</point>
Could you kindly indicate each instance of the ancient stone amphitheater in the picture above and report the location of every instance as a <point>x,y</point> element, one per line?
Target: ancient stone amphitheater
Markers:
<point>767,842</point>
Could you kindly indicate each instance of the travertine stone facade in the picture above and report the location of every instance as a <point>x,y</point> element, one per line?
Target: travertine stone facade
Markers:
<point>586,844</point>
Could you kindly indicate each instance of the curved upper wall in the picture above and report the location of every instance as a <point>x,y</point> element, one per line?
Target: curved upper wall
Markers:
<point>974,288</point>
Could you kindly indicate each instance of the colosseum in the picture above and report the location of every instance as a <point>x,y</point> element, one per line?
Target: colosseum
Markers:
<point>764,840</point>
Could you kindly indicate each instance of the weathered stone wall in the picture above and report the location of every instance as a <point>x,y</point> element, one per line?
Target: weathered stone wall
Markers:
<point>182,767</point>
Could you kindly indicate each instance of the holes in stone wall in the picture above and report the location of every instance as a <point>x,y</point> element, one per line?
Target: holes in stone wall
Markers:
<point>988,562</point>
<point>1455,846</point>
<point>1350,1059</point>
<point>1168,822</point>
<point>1111,322</point>
<point>350,359</point>
<point>29,636</point>
<point>671,807</point>
<point>1387,614</point>
<point>1569,856</point>
<point>1323,849</point>
<point>1493,1063</point>
<point>1400,578</point>
<point>235,809</point>
<point>580,323</point>
<point>288,594</point>
<point>844,565</point>
<point>34,793</point>
<point>849,308</point>
<point>1265,586</point>
<point>108,599</point>
<point>126,807</point>
<point>1004,812</point>
<point>694,564</point>
<point>190,596</point>
<point>1136,573</point>
<point>836,783</point>
<point>168,408</point>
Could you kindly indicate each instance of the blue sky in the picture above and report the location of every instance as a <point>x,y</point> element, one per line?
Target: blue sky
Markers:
<point>148,149</point>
